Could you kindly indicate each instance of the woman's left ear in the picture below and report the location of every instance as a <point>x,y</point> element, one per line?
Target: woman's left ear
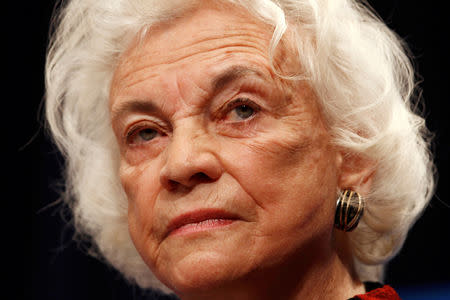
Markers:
<point>356,172</point>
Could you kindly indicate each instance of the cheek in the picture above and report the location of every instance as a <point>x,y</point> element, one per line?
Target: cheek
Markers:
<point>292,184</point>
<point>282,161</point>
<point>142,188</point>
<point>292,178</point>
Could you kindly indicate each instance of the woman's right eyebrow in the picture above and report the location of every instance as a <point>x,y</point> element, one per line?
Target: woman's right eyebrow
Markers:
<point>131,106</point>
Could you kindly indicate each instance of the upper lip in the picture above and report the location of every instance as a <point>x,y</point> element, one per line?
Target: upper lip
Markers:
<point>198,216</point>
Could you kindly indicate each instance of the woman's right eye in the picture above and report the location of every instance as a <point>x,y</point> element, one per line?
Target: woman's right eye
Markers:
<point>142,135</point>
<point>147,134</point>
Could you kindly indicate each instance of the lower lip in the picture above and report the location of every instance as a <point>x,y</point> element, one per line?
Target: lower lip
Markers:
<point>201,226</point>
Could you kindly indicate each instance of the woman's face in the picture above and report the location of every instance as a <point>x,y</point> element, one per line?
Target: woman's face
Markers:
<point>228,169</point>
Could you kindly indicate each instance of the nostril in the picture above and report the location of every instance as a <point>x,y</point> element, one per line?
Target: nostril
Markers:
<point>200,177</point>
<point>171,184</point>
<point>195,179</point>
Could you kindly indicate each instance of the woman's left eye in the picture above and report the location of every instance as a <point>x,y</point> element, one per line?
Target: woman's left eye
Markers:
<point>244,111</point>
<point>241,110</point>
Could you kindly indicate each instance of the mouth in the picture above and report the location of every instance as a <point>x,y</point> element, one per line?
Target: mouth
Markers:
<point>200,220</point>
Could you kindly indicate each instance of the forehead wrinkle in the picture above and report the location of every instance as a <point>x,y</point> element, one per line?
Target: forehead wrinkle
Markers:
<point>155,73</point>
<point>242,42</point>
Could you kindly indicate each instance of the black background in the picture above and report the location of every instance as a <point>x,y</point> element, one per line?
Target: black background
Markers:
<point>50,266</point>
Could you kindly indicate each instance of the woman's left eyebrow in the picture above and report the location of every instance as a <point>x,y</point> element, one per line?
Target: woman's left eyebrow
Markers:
<point>232,74</point>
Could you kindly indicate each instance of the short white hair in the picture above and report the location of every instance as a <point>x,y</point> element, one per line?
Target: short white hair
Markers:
<point>358,68</point>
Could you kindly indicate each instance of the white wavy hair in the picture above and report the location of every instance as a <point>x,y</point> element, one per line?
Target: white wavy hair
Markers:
<point>358,68</point>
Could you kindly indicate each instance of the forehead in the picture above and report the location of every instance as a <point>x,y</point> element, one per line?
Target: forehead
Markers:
<point>208,37</point>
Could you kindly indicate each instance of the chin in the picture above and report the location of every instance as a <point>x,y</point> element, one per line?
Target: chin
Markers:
<point>202,262</point>
<point>202,271</point>
<point>201,259</point>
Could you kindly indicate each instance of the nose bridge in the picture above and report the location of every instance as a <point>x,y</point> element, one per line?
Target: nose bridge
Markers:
<point>186,141</point>
<point>190,157</point>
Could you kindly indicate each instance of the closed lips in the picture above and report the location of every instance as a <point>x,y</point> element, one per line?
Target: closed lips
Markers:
<point>200,220</point>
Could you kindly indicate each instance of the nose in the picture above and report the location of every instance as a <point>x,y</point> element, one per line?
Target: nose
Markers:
<point>190,159</point>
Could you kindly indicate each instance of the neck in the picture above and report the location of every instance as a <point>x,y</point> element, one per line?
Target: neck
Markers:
<point>317,276</point>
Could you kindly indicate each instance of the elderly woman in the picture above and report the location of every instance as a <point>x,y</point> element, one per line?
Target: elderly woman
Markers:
<point>246,149</point>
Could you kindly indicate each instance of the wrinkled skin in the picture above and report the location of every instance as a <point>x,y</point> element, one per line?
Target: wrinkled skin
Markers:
<point>187,145</point>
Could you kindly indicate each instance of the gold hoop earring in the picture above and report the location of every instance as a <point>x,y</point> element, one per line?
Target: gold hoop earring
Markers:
<point>349,210</point>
